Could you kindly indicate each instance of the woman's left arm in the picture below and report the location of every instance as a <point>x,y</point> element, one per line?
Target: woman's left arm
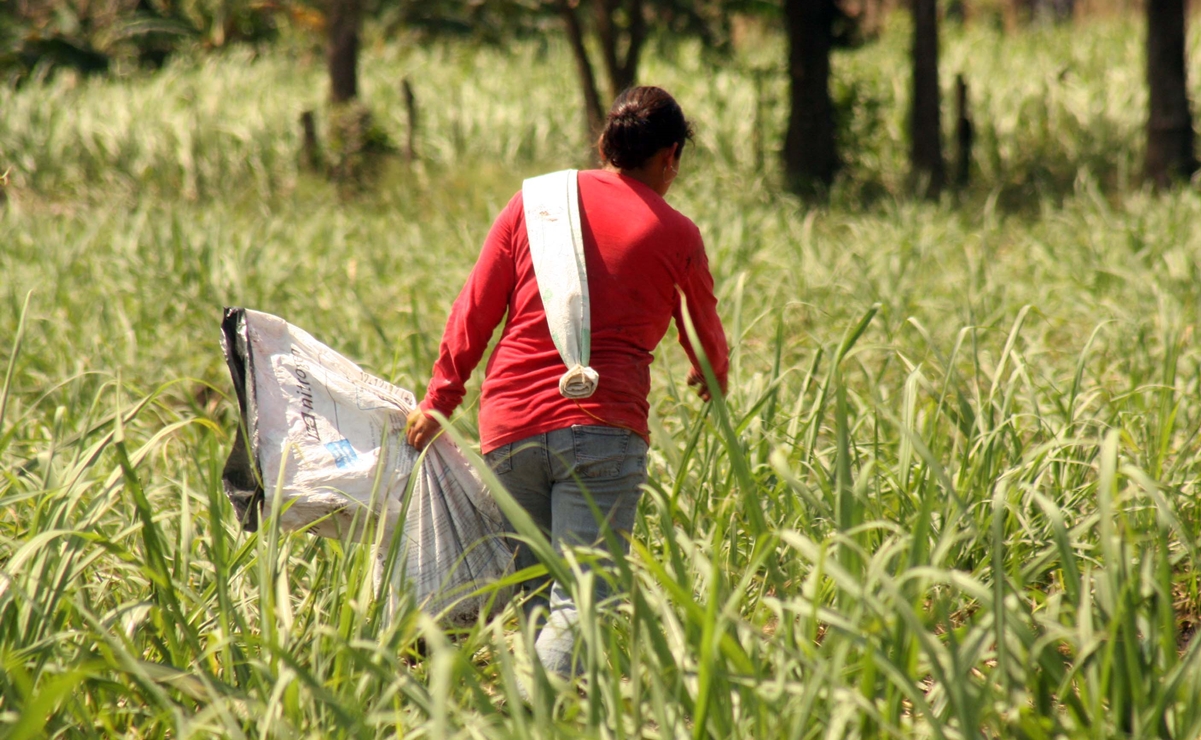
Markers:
<point>696,293</point>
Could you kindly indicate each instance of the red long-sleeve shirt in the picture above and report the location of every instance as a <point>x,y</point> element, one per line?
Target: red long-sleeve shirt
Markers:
<point>644,260</point>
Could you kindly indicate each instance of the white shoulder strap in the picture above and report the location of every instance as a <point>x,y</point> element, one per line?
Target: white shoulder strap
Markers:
<point>552,220</point>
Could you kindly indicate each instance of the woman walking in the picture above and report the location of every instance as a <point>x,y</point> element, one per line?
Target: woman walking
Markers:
<point>645,265</point>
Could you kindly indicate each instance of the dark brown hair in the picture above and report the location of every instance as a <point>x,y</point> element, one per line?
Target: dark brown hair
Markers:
<point>642,121</point>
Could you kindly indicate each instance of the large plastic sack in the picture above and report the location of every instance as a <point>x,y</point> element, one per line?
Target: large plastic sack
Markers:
<point>326,441</point>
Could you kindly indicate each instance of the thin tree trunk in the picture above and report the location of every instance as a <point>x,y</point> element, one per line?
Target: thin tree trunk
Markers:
<point>575,36</point>
<point>757,129</point>
<point>343,53</point>
<point>637,38</point>
<point>925,131</point>
<point>956,11</point>
<point>1018,14</point>
<point>622,71</point>
<point>1063,10</point>
<point>1170,147</point>
<point>869,22</point>
<point>810,152</point>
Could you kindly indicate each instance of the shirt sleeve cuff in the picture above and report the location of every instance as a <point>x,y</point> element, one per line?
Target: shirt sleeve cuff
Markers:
<point>431,404</point>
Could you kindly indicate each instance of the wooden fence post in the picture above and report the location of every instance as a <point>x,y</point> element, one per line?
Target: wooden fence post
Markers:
<point>310,151</point>
<point>411,111</point>
<point>963,134</point>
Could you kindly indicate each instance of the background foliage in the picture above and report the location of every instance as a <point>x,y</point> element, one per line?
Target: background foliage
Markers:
<point>952,492</point>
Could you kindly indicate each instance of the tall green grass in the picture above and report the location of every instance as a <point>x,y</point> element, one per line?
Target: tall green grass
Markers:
<point>952,492</point>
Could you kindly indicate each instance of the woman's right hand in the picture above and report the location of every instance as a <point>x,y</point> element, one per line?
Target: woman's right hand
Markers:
<point>421,429</point>
<point>696,380</point>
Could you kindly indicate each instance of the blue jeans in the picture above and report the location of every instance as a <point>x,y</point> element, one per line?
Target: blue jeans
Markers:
<point>553,476</point>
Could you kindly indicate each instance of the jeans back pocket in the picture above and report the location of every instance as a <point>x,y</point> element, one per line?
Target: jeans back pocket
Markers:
<point>599,451</point>
<point>500,460</point>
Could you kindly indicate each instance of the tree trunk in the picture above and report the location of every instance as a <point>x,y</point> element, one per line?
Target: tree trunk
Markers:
<point>1170,152</point>
<point>622,69</point>
<point>1018,14</point>
<point>757,127</point>
<point>343,54</point>
<point>575,36</point>
<point>925,154</point>
<point>956,11</point>
<point>871,20</point>
<point>810,153</point>
<point>1062,11</point>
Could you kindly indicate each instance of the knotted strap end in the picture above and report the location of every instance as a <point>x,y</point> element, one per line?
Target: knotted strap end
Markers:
<point>579,382</point>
